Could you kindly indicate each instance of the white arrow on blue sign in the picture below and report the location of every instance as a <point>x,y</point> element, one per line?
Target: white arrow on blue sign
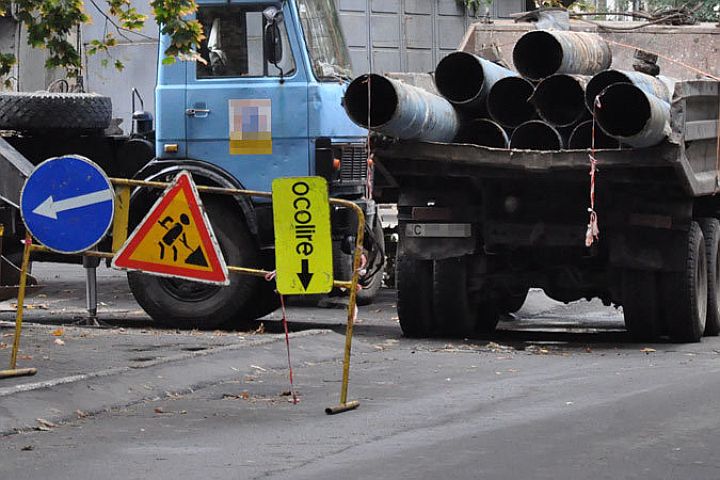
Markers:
<point>67,204</point>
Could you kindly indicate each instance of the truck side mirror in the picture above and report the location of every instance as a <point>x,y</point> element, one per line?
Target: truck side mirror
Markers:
<point>273,40</point>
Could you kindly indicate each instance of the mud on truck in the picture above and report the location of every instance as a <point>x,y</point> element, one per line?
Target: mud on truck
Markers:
<point>494,178</point>
<point>265,103</point>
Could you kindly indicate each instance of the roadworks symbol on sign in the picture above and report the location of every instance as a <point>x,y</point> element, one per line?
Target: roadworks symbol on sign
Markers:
<point>175,239</point>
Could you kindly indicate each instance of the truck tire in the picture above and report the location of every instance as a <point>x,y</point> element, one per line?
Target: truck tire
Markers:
<point>711,232</point>
<point>639,296</point>
<point>26,111</point>
<point>414,296</point>
<point>186,304</point>
<point>455,311</point>
<point>683,299</point>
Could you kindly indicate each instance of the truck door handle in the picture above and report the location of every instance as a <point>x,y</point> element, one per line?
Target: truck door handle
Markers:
<point>197,112</point>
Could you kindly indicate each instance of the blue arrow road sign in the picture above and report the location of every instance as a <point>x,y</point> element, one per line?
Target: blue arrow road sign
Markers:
<point>67,203</point>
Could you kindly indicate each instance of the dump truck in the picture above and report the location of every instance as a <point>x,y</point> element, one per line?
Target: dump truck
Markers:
<point>265,102</point>
<point>635,227</point>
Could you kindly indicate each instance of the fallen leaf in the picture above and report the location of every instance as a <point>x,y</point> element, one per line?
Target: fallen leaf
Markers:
<point>260,330</point>
<point>245,395</point>
<point>256,367</point>
<point>27,448</point>
<point>25,357</point>
<point>648,350</point>
<point>81,414</point>
<point>59,342</point>
<point>58,332</point>
<point>159,410</point>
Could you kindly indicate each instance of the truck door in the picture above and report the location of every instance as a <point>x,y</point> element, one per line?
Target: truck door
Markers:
<point>244,114</point>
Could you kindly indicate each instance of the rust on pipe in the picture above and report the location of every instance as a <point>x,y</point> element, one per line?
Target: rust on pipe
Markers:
<point>541,53</point>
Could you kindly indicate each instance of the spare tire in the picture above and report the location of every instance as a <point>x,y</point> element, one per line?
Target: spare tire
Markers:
<point>27,111</point>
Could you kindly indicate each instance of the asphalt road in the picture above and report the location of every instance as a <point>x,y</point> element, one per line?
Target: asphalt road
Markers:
<point>559,393</point>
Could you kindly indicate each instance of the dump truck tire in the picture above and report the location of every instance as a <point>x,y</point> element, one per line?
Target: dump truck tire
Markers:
<point>28,111</point>
<point>711,232</point>
<point>639,296</point>
<point>683,295</point>
<point>185,304</point>
<point>414,303</point>
<point>456,313</point>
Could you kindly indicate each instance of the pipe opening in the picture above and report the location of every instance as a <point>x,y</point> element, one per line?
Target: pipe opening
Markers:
<point>536,135</point>
<point>537,55</point>
<point>459,77</point>
<point>624,111</point>
<point>560,100</point>
<point>600,82</point>
<point>483,132</point>
<point>383,100</point>
<point>508,101</point>
<point>581,137</point>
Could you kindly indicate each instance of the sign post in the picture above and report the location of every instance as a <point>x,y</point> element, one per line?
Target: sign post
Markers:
<point>303,245</point>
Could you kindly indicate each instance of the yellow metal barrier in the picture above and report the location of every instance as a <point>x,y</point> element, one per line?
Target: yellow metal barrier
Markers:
<point>120,234</point>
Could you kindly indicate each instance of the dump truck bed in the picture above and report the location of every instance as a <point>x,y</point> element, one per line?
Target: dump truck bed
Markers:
<point>688,158</point>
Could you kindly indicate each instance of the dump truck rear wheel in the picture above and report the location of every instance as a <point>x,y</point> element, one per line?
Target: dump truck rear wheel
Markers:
<point>683,297</point>
<point>453,302</point>
<point>371,286</point>
<point>711,232</point>
<point>639,296</point>
<point>414,292</point>
<point>185,304</point>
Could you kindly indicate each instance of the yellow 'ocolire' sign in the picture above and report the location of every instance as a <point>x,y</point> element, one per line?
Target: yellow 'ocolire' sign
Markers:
<point>303,245</point>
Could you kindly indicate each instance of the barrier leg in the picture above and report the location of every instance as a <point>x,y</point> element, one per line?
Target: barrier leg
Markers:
<point>13,371</point>
<point>90,264</point>
<point>352,308</point>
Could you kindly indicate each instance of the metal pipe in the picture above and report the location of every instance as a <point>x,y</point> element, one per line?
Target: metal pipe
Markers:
<point>465,79</point>
<point>399,110</point>
<point>536,135</point>
<point>541,53</point>
<point>483,132</point>
<point>661,87</point>
<point>560,99</point>
<point>582,136</point>
<point>508,101</point>
<point>633,116</point>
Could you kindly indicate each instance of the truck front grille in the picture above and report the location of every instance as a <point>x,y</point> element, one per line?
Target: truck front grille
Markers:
<point>354,163</point>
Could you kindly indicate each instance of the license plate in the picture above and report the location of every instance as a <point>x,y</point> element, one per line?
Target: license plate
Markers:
<point>442,230</point>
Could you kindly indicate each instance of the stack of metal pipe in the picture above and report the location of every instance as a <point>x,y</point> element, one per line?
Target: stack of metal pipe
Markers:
<point>563,95</point>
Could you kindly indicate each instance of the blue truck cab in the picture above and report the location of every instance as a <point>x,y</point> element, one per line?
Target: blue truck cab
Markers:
<point>264,102</point>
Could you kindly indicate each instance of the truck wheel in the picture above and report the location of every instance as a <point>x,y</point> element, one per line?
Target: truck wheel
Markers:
<point>639,296</point>
<point>186,304</point>
<point>414,296</point>
<point>684,294</point>
<point>711,232</point>
<point>27,111</point>
<point>453,303</point>
<point>372,286</point>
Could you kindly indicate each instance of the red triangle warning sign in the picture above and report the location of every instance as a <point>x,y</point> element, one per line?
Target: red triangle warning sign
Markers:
<point>175,239</point>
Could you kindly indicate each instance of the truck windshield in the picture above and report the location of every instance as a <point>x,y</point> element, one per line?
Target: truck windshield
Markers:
<point>325,41</point>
